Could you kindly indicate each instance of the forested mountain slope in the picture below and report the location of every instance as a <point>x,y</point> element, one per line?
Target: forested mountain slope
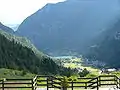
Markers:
<point>17,55</point>
<point>108,49</point>
<point>23,41</point>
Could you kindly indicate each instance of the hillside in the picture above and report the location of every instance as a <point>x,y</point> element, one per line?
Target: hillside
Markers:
<point>16,55</point>
<point>23,41</point>
<point>108,49</point>
<point>5,28</point>
<point>62,28</point>
<point>10,73</point>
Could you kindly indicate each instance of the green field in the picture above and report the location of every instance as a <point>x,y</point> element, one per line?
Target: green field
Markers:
<point>77,63</point>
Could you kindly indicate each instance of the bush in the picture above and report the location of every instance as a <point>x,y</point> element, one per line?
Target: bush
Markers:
<point>83,73</point>
<point>64,82</point>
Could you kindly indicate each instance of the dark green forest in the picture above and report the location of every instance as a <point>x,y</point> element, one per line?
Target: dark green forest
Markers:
<point>14,55</point>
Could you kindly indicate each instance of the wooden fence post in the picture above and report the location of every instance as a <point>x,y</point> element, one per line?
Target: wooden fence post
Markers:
<point>97,84</point>
<point>72,84</point>
<point>119,83</point>
<point>32,84</point>
<point>99,80</point>
<point>51,79</point>
<point>85,85</point>
<point>47,83</point>
<point>2,84</point>
<point>116,81</point>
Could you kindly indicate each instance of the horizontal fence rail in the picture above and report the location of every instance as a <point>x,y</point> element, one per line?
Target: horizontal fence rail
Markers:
<point>16,84</point>
<point>56,82</point>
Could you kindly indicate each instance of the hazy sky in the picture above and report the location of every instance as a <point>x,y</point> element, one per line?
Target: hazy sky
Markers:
<point>15,11</point>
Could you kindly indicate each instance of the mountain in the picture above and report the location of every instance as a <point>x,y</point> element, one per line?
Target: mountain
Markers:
<point>18,53</point>
<point>69,26</point>
<point>5,28</point>
<point>108,49</point>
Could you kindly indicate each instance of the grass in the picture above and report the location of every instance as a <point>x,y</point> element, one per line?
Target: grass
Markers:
<point>13,73</point>
<point>9,73</point>
<point>16,74</point>
<point>117,73</point>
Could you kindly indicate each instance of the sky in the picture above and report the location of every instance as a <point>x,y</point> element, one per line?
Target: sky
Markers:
<point>15,11</point>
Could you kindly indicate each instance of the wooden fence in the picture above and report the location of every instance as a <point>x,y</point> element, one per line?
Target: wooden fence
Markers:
<point>86,83</point>
<point>16,84</point>
<point>55,82</point>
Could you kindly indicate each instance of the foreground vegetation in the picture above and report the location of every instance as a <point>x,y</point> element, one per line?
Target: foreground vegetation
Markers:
<point>10,73</point>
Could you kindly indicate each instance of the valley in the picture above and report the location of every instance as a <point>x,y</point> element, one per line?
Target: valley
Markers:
<point>74,65</point>
<point>69,44</point>
<point>80,64</point>
<point>78,28</point>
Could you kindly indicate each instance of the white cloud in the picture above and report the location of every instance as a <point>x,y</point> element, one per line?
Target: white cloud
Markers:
<point>15,11</point>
